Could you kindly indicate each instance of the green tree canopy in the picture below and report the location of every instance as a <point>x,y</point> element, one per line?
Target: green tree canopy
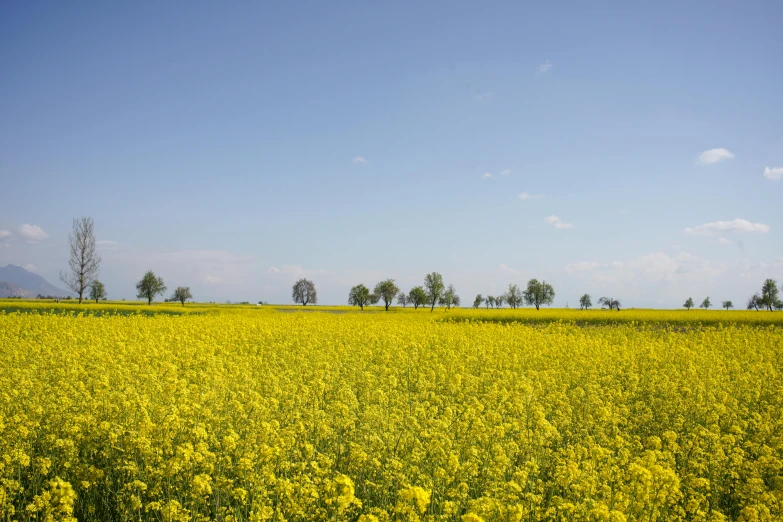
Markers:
<point>359,296</point>
<point>539,293</point>
<point>386,290</point>
<point>149,287</point>
<point>433,283</point>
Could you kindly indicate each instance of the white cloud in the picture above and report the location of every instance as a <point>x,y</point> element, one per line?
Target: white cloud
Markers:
<point>544,68</point>
<point>273,270</point>
<point>505,172</point>
<point>709,157</point>
<point>359,160</point>
<point>210,279</point>
<point>773,173</point>
<point>5,238</point>
<point>724,241</point>
<point>32,233</point>
<point>524,196</point>
<point>504,267</point>
<point>482,96</point>
<point>557,222</point>
<point>30,267</point>
<point>487,175</point>
<point>736,225</point>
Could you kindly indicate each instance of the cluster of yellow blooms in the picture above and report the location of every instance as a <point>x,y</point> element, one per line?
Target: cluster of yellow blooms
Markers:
<point>250,414</point>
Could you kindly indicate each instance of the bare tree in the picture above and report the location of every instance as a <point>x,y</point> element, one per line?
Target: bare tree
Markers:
<point>513,296</point>
<point>402,299</point>
<point>753,302</point>
<point>609,302</point>
<point>449,298</point>
<point>84,260</point>
<point>304,292</point>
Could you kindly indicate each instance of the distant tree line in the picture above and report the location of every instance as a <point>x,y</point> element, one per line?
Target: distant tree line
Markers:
<point>84,265</point>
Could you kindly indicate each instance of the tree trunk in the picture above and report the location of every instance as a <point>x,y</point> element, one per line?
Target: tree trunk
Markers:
<point>149,301</point>
<point>536,307</point>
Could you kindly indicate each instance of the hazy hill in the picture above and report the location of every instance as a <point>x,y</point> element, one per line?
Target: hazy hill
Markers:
<point>15,281</point>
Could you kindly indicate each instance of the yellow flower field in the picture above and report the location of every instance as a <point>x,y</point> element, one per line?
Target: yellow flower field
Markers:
<point>251,413</point>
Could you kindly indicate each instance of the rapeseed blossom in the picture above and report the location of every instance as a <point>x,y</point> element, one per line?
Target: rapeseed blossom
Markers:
<point>248,414</point>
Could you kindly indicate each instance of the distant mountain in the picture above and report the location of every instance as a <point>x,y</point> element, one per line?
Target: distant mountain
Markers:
<point>11,290</point>
<point>14,278</point>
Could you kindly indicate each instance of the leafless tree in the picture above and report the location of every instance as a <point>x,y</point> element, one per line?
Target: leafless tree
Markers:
<point>304,292</point>
<point>84,260</point>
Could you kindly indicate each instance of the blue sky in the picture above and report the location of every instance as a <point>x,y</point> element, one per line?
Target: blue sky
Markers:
<point>236,148</point>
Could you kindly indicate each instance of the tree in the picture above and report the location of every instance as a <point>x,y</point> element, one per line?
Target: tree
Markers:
<point>689,303</point>
<point>753,302</point>
<point>513,296</point>
<point>449,297</point>
<point>359,296</point>
<point>304,292</point>
<point>539,293</point>
<point>417,296</point>
<point>585,302</point>
<point>727,305</point>
<point>182,294</point>
<point>609,302</point>
<point>150,286</point>
<point>491,301</point>
<point>434,284</point>
<point>499,300</point>
<point>478,301</point>
<point>387,290</point>
<point>84,261</point>
<point>769,295</point>
<point>97,290</point>
<point>402,299</point>
<point>706,303</point>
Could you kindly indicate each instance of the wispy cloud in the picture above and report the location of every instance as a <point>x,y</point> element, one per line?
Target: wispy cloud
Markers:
<point>358,160</point>
<point>504,267</point>
<point>735,225</point>
<point>712,156</point>
<point>505,172</point>
<point>524,196</point>
<point>32,233</point>
<point>211,280</point>
<point>773,173</point>
<point>30,267</point>
<point>557,222</point>
<point>487,175</point>
<point>544,68</point>
<point>273,270</point>
<point>5,238</point>
<point>483,96</point>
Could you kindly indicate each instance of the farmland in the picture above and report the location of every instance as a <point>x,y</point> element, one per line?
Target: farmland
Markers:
<point>114,412</point>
